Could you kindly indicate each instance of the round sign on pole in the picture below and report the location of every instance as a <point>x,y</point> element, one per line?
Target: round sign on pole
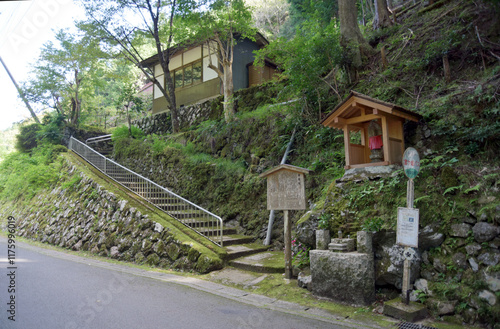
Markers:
<point>411,162</point>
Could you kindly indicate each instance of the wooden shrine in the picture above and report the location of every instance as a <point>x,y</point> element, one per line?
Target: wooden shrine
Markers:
<point>373,130</point>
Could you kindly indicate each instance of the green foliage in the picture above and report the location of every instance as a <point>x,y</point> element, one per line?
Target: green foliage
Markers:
<point>309,61</point>
<point>23,175</point>
<point>72,183</point>
<point>324,221</point>
<point>158,145</point>
<point>27,139</point>
<point>304,10</point>
<point>124,132</point>
<point>300,254</point>
<point>421,295</point>
<point>373,224</point>
<point>52,128</point>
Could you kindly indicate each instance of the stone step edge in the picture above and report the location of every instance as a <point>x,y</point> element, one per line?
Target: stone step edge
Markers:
<point>240,264</point>
<point>243,253</point>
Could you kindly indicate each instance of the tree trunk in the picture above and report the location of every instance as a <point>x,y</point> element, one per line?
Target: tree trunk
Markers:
<point>224,51</point>
<point>363,12</point>
<point>77,101</point>
<point>229,110</point>
<point>172,101</point>
<point>164,57</point>
<point>73,111</point>
<point>382,16</point>
<point>350,35</point>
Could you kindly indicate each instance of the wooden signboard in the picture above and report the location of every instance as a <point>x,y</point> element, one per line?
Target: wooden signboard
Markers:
<point>286,191</point>
<point>285,188</point>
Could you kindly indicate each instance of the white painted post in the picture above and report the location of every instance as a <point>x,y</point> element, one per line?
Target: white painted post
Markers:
<point>411,165</point>
<point>288,246</point>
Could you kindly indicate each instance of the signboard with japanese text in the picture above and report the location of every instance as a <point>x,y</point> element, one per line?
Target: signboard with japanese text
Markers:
<point>411,162</point>
<point>286,191</point>
<point>407,230</point>
<point>285,188</point>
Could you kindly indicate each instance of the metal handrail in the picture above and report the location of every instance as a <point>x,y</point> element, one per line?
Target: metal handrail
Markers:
<point>98,139</point>
<point>191,215</point>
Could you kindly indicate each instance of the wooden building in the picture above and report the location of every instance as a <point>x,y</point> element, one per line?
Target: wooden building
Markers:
<point>370,126</point>
<point>195,82</point>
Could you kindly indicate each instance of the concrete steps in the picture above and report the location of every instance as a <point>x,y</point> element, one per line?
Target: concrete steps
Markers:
<point>241,250</point>
<point>262,262</point>
<point>235,239</point>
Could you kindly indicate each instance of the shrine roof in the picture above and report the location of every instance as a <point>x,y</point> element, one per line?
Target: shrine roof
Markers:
<point>361,108</point>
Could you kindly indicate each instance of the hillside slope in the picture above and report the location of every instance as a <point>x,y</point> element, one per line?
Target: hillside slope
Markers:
<point>217,164</point>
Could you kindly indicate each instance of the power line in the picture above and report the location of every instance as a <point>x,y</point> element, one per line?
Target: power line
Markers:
<point>8,30</point>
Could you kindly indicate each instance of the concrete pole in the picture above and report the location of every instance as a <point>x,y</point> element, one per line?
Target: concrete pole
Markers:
<point>21,94</point>
<point>267,242</point>
<point>406,269</point>
<point>288,246</point>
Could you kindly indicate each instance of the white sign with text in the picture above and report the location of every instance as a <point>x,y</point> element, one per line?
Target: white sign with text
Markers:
<point>407,233</point>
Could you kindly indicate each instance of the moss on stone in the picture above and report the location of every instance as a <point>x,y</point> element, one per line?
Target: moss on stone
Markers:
<point>173,251</point>
<point>193,255</point>
<point>139,258</point>
<point>207,264</point>
<point>153,259</point>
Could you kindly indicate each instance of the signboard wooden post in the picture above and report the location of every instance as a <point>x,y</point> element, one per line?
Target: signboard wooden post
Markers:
<point>408,219</point>
<point>286,191</point>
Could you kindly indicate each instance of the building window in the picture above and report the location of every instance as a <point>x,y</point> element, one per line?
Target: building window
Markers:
<point>178,77</point>
<point>188,75</point>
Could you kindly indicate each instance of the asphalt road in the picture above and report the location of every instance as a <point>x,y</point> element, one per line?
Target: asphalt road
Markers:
<point>54,291</point>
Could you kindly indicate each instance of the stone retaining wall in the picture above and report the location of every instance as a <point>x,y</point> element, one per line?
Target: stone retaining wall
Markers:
<point>247,99</point>
<point>188,115</point>
<point>88,217</point>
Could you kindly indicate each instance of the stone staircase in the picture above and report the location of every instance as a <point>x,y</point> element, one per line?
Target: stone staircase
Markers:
<point>242,251</point>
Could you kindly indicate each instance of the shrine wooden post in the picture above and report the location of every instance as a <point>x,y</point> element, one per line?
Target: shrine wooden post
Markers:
<point>286,191</point>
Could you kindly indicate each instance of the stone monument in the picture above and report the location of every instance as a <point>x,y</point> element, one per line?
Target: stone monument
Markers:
<point>345,276</point>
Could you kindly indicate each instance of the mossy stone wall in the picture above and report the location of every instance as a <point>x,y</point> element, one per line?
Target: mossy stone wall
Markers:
<point>93,219</point>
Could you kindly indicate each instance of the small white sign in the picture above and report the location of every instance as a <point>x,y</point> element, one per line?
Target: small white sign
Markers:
<point>407,234</point>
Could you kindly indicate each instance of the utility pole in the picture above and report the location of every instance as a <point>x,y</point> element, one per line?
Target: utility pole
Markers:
<point>20,92</point>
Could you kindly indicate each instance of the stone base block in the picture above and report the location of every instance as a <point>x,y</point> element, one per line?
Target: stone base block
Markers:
<point>322,239</point>
<point>344,277</point>
<point>345,245</point>
<point>409,313</point>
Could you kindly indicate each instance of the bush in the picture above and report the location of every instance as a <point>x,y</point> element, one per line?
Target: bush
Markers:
<point>27,139</point>
<point>23,175</point>
<point>124,132</point>
<point>52,129</point>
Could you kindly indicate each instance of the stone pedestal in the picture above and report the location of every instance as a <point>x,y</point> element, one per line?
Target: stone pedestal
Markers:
<point>377,155</point>
<point>344,277</point>
<point>342,245</point>
<point>410,313</point>
<point>322,239</point>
